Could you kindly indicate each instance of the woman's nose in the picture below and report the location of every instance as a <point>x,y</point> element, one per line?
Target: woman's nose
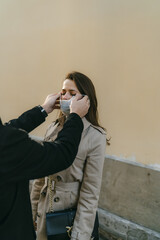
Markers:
<point>67,96</point>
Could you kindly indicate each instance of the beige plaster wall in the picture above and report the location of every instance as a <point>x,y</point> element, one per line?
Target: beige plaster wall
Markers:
<point>114,42</point>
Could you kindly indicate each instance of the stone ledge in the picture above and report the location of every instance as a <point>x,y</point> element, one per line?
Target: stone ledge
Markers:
<point>132,192</point>
<point>115,227</point>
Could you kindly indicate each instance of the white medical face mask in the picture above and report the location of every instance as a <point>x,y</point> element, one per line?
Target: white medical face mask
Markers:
<point>65,106</point>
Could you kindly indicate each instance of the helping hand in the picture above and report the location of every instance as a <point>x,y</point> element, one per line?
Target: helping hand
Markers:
<point>51,102</point>
<point>80,105</point>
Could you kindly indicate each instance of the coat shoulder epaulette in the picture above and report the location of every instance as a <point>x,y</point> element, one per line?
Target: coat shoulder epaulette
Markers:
<point>101,130</point>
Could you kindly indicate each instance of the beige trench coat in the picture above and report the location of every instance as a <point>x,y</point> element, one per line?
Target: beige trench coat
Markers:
<point>79,185</point>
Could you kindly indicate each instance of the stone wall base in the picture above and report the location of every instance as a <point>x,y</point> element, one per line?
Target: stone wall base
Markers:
<point>113,227</point>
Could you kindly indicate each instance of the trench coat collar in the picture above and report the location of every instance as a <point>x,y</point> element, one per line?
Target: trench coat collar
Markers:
<point>85,123</point>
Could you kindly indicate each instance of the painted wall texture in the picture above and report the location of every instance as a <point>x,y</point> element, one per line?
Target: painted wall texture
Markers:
<point>115,43</point>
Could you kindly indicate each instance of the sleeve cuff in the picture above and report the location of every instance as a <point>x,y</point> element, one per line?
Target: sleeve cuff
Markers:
<point>44,113</point>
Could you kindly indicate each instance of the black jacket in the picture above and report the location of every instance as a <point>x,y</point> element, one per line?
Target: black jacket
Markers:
<point>22,159</point>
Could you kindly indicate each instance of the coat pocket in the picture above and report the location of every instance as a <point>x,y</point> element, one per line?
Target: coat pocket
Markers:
<point>67,194</point>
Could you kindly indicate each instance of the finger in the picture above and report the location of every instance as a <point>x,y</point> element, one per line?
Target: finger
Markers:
<point>57,104</point>
<point>86,97</point>
<point>57,107</point>
<point>58,95</point>
<point>55,95</point>
<point>78,96</point>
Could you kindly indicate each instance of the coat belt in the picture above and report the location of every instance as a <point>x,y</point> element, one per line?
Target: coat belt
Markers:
<point>69,186</point>
<point>63,186</point>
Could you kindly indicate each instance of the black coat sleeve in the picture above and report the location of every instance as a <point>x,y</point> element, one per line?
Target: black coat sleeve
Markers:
<point>22,158</point>
<point>29,120</point>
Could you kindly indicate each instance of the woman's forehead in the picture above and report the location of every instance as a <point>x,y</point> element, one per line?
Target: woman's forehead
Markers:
<point>69,85</point>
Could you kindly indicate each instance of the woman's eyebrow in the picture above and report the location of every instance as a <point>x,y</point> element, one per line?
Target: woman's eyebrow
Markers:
<point>71,90</point>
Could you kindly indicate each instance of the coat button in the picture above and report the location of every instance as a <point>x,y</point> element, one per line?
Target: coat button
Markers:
<point>56,199</point>
<point>43,194</point>
<point>59,178</point>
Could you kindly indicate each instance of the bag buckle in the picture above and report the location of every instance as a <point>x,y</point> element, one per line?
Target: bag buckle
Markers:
<point>69,231</point>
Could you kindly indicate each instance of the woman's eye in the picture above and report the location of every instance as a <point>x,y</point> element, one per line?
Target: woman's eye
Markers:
<point>73,94</point>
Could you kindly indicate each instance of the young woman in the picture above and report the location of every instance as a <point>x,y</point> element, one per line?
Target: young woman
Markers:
<point>79,185</point>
